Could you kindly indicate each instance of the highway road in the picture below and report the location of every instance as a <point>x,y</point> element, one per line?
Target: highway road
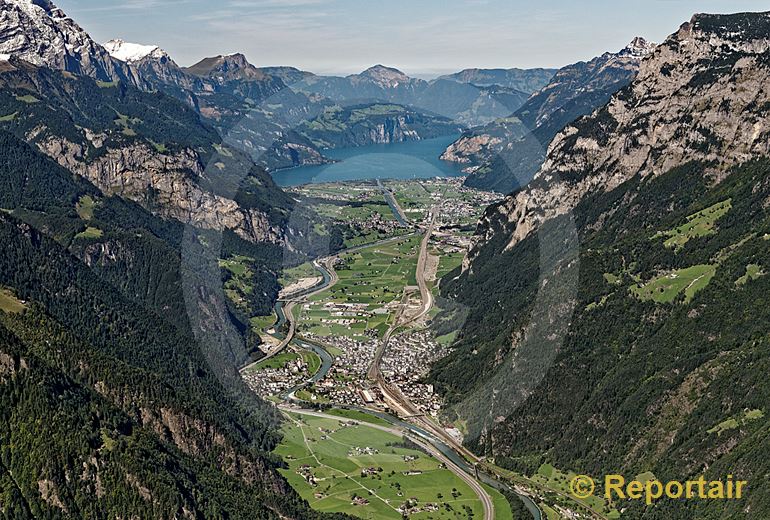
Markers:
<point>486,499</point>
<point>393,396</point>
<point>292,301</point>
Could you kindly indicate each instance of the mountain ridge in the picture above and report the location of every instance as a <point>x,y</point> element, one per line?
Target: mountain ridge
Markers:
<point>642,373</point>
<point>507,153</point>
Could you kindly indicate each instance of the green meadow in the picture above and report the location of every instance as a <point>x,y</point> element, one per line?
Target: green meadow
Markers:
<point>9,303</point>
<point>666,287</point>
<point>238,286</point>
<point>293,274</point>
<point>89,233</point>
<point>553,478</point>
<point>753,271</point>
<point>736,422</point>
<point>331,462</point>
<point>374,276</point>
<point>85,207</point>
<point>700,224</point>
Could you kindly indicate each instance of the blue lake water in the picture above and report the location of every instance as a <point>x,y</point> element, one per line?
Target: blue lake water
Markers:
<point>410,160</point>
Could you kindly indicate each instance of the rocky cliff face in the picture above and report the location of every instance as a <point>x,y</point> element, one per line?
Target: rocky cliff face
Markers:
<point>649,343</point>
<point>700,96</point>
<point>39,32</point>
<point>598,74</point>
<point>164,183</point>
<point>522,138</point>
<point>159,163</point>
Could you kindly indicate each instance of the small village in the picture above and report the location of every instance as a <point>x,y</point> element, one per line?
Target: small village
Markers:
<point>275,381</point>
<point>407,361</point>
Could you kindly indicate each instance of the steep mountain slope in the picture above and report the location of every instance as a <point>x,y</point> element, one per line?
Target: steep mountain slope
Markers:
<point>508,152</point>
<point>524,80</point>
<point>469,104</point>
<point>138,419</point>
<point>638,343</point>
<point>361,125</point>
<point>146,147</point>
<point>39,32</point>
<point>157,69</point>
<point>248,106</point>
<point>289,75</point>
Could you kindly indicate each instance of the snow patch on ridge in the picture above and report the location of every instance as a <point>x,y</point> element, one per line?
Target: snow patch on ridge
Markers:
<point>131,52</point>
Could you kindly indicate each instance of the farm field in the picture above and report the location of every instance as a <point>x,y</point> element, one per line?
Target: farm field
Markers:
<point>665,288</point>
<point>277,361</point>
<point>447,262</point>
<point>345,466</point>
<point>700,224</point>
<point>357,416</point>
<point>369,279</point>
<point>293,274</point>
<point>356,210</point>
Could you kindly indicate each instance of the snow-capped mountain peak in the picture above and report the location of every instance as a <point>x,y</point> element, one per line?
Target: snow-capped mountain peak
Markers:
<point>638,48</point>
<point>39,32</point>
<point>133,52</point>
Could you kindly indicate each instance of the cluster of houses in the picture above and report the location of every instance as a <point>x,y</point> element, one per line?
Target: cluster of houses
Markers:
<point>274,381</point>
<point>407,361</point>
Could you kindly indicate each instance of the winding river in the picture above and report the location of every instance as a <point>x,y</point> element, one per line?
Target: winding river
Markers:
<point>326,364</point>
<point>395,161</point>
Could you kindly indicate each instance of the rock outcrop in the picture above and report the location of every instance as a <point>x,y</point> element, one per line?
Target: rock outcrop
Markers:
<point>516,144</point>
<point>164,183</point>
<point>39,32</point>
<point>700,96</point>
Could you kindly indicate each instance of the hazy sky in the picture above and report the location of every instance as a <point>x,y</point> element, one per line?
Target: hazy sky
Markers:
<point>417,36</point>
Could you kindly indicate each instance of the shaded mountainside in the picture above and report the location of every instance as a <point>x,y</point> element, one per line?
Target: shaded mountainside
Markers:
<point>97,338</point>
<point>159,434</point>
<point>146,147</point>
<point>662,363</point>
<point>362,125</point>
<point>524,80</point>
<point>507,153</point>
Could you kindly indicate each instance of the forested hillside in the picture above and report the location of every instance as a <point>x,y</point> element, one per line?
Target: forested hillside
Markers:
<point>654,360</point>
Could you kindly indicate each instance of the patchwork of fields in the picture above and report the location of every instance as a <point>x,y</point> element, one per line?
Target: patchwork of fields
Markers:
<point>350,467</point>
<point>370,280</point>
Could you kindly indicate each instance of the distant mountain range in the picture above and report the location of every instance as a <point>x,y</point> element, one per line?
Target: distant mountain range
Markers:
<point>523,80</point>
<point>466,103</point>
<point>350,126</point>
<point>506,153</point>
